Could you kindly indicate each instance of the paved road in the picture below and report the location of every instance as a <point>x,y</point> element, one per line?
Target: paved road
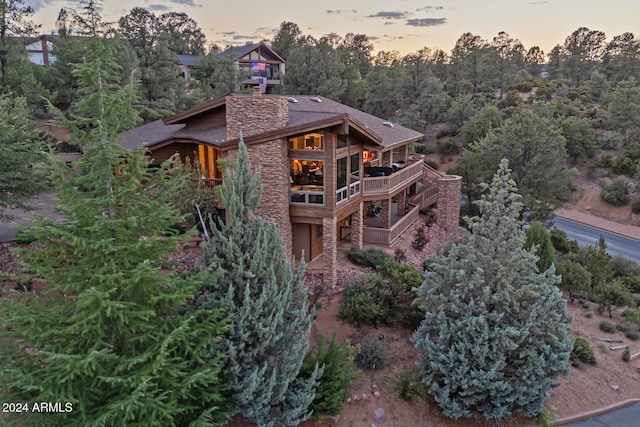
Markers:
<point>629,416</point>
<point>588,236</point>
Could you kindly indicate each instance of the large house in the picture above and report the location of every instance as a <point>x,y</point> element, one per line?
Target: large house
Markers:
<point>329,173</point>
<point>260,66</point>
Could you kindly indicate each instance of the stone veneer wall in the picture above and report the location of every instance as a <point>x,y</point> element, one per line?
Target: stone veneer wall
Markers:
<point>270,159</point>
<point>357,227</point>
<point>449,190</point>
<point>253,115</point>
<point>387,159</point>
<point>330,251</point>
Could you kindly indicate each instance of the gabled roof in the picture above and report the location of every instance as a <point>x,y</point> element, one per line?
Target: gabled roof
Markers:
<point>238,52</point>
<point>189,60</point>
<point>307,114</point>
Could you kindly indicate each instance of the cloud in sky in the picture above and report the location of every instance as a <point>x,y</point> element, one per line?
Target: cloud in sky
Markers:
<point>422,9</point>
<point>185,2</point>
<point>340,11</point>
<point>426,22</point>
<point>389,15</point>
<point>157,7</point>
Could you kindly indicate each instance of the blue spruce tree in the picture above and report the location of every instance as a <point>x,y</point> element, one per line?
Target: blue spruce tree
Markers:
<point>269,336</point>
<point>495,333</point>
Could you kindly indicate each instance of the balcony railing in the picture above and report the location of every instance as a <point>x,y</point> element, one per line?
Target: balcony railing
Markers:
<point>382,185</point>
<point>386,236</point>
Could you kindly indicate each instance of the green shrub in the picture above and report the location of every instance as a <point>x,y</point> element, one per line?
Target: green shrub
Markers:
<point>635,206</point>
<point>582,352</point>
<point>408,385</point>
<point>622,328</point>
<point>615,192</point>
<point>372,354</point>
<point>432,164</point>
<point>607,327</point>
<point>399,255</point>
<point>363,301</point>
<point>561,242</point>
<point>625,267</point>
<point>524,86</point>
<point>25,237</point>
<point>626,354</point>
<point>368,257</point>
<point>611,140</point>
<point>544,418</point>
<point>632,335</point>
<point>420,239</point>
<point>385,298</point>
<point>447,131</point>
<point>447,147</point>
<point>623,165</point>
<point>632,316</point>
<point>338,376</point>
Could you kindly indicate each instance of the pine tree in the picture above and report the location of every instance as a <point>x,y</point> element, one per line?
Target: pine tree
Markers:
<point>21,148</point>
<point>538,235</point>
<point>109,334</point>
<point>495,333</point>
<point>270,329</point>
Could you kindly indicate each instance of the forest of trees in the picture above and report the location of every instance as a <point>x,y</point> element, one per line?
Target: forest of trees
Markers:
<point>582,95</point>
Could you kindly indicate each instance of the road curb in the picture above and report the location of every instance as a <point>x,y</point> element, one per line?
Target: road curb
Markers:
<point>594,413</point>
<point>566,217</point>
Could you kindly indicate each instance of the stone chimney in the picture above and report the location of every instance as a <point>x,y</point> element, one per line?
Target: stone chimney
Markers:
<point>253,115</point>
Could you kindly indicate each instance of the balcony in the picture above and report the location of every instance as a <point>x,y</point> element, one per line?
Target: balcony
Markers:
<point>386,185</point>
<point>386,236</point>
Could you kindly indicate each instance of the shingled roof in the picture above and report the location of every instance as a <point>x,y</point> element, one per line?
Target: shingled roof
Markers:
<point>305,110</point>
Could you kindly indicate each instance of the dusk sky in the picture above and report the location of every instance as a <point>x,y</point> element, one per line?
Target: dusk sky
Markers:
<point>402,25</point>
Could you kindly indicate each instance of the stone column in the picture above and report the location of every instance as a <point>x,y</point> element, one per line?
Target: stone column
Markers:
<point>404,153</point>
<point>385,213</point>
<point>357,223</point>
<point>449,190</point>
<point>402,201</point>
<point>330,251</point>
<point>386,159</point>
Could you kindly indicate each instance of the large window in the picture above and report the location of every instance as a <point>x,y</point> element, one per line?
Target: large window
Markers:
<point>307,181</point>
<point>354,176</point>
<point>207,159</point>
<point>310,141</point>
<point>342,188</point>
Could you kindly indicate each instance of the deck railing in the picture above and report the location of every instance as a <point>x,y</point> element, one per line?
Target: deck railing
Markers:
<point>381,185</point>
<point>386,236</point>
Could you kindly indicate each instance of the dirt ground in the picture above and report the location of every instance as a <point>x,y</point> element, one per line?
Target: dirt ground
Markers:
<point>587,387</point>
<point>587,198</point>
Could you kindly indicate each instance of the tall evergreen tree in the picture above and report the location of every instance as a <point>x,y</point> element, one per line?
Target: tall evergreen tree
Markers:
<point>270,332</point>
<point>21,148</point>
<point>109,335</point>
<point>495,333</point>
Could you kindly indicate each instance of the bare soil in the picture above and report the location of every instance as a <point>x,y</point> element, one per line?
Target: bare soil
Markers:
<point>586,388</point>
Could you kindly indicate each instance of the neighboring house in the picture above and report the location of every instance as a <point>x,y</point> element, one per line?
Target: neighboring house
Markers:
<point>39,49</point>
<point>261,66</point>
<point>322,165</point>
